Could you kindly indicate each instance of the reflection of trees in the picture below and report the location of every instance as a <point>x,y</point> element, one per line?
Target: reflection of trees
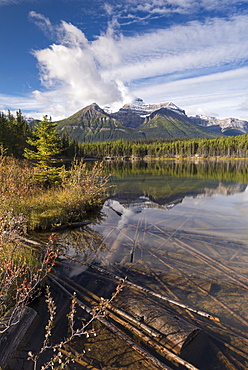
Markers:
<point>83,242</point>
<point>166,181</point>
<point>222,170</point>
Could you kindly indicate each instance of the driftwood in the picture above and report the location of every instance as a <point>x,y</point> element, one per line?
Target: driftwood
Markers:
<point>177,333</point>
<point>157,345</point>
<point>121,313</point>
<point>116,331</point>
<point>145,290</point>
<point>12,337</point>
<point>73,225</point>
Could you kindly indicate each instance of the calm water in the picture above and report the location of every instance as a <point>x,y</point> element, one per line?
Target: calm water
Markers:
<point>179,229</point>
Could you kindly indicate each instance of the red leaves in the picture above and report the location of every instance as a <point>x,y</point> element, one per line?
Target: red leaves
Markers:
<point>19,280</point>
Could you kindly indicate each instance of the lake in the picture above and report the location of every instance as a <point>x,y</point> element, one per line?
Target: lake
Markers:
<point>179,230</point>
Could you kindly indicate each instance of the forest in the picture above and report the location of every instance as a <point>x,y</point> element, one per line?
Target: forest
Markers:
<point>230,147</point>
<point>15,131</point>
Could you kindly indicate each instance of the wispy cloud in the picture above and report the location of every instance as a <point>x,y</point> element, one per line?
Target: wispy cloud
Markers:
<point>25,103</point>
<point>154,8</point>
<point>77,72</point>
<point>193,46</point>
<point>218,94</point>
<point>43,23</point>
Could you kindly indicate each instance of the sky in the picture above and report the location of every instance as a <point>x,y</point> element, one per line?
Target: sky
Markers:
<point>59,56</point>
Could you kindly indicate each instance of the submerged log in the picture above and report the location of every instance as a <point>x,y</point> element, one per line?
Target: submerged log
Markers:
<point>145,290</point>
<point>11,338</point>
<point>73,225</point>
<point>116,331</point>
<point>135,327</point>
<point>177,333</point>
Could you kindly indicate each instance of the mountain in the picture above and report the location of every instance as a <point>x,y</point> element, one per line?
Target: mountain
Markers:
<point>93,124</point>
<point>167,123</point>
<point>134,121</point>
<point>133,115</point>
<point>227,126</point>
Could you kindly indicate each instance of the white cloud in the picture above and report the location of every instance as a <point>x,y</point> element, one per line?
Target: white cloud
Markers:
<point>218,94</point>
<point>43,22</point>
<point>180,48</point>
<point>24,103</point>
<point>154,8</point>
<point>77,72</point>
<point>71,71</point>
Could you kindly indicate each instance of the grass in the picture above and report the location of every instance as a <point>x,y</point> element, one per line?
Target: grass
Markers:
<point>77,192</point>
<point>27,204</point>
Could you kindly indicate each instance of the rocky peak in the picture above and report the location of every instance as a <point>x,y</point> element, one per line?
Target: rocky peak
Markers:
<point>222,124</point>
<point>136,113</point>
<point>93,111</point>
<point>168,114</point>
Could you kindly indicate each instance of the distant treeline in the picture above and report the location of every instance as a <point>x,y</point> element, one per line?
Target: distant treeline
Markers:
<point>231,146</point>
<point>14,131</point>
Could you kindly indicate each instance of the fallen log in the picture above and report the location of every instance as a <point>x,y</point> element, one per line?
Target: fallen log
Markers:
<point>167,353</point>
<point>112,328</point>
<point>73,225</point>
<point>145,290</point>
<point>17,328</point>
<point>177,333</point>
<point>121,313</point>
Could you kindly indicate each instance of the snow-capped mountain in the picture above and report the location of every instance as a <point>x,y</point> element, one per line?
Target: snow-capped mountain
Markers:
<point>135,113</point>
<point>138,120</point>
<point>227,126</point>
<point>141,108</point>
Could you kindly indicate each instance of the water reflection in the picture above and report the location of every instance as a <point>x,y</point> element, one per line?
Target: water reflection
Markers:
<point>164,182</point>
<point>216,170</point>
<point>82,242</point>
<point>182,235</point>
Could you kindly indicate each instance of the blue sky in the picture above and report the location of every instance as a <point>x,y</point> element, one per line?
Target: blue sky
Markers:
<point>59,56</point>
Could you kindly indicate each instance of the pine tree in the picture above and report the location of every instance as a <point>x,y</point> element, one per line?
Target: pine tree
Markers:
<point>46,146</point>
<point>46,143</point>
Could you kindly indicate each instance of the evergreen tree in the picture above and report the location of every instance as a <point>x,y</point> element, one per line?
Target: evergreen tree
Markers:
<point>46,144</point>
<point>13,133</point>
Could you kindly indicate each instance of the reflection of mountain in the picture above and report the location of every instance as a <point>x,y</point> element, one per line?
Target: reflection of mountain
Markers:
<point>139,204</point>
<point>160,195</point>
<point>226,190</point>
<point>164,182</point>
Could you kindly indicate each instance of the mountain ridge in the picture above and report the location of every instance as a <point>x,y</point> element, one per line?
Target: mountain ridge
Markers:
<point>224,125</point>
<point>140,121</point>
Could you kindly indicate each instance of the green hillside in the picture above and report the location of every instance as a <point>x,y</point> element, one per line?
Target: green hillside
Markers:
<point>166,124</point>
<point>93,124</point>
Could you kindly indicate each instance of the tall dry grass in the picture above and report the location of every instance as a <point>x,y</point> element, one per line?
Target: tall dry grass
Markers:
<point>26,205</point>
<point>79,191</point>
